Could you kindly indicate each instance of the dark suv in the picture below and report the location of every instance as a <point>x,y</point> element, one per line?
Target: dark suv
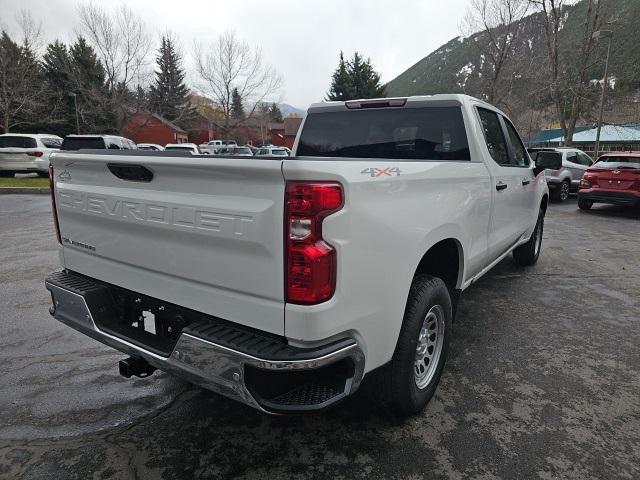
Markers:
<point>97,142</point>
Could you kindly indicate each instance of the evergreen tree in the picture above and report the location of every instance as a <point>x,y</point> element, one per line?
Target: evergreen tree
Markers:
<point>366,81</point>
<point>355,79</point>
<point>275,115</point>
<point>56,64</point>
<point>237,109</point>
<point>169,95</point>
<point>90,86</point>
<point>341,83</point>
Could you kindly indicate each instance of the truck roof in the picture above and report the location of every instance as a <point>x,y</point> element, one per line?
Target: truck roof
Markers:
<point>415,100</point>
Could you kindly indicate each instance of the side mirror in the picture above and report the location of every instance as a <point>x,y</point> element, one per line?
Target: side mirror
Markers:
<point>547,160</point>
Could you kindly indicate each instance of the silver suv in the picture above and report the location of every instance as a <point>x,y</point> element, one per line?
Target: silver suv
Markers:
<point>566,179</point>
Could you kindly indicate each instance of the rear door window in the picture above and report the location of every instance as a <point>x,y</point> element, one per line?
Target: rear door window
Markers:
<point>520,157</point>
<point>427,133</point>
<point>494,137</point>
<point>572,157</point>
<point>584,159</point>
<point>17,142</point>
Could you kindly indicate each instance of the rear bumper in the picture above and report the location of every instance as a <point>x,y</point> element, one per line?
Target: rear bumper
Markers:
<point>22,167</point>
<point>264,372</point>
<point>598,195</point>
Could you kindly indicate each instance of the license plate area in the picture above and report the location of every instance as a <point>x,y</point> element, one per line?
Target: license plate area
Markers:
<point>144,321</point>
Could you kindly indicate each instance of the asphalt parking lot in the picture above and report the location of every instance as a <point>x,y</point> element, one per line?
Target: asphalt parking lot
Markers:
<point>543,381</point>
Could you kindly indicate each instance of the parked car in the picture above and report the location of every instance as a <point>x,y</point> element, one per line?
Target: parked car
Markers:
<point>97,142</point>
<point>27,153</point>
<point>236,152</point>
<point>566,179</point>
<point>213,146</point>
<point>272,151</point>
<point>363,242</point>
<point>150,146</point>
<point>185,147</point>
<point>614,179</point>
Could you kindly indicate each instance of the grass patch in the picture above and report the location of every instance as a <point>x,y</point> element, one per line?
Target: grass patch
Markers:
<point>25,182</point>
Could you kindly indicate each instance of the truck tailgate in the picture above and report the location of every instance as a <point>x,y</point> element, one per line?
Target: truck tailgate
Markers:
<point>203,233</point>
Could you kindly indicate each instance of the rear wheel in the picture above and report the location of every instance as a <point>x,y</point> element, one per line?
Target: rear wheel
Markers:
<point>528,253</point>
<point>561,193</point>
<point>409,381</point>
<point>584,204</point>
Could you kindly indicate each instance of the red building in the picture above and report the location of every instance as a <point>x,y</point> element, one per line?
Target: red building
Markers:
<point>152,128</point>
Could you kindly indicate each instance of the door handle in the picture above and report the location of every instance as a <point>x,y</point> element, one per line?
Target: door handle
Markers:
<point>526,181</point>
<point>501,186</point>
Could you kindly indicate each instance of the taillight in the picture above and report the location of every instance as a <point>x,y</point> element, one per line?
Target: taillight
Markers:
<point>310,262</point>
<point>36,153</point>
<point>53,204</point>
<point>584,183</point>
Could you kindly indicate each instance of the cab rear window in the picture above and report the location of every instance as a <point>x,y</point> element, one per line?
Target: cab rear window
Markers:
<point>79,143</point>
<point>428,133</point>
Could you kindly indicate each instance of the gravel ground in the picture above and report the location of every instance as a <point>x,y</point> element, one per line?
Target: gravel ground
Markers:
<point>542,381</point>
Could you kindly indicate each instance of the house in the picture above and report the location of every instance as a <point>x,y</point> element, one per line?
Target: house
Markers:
<point>145,127</point>
<point>291,127</point>
<point>613,138</point>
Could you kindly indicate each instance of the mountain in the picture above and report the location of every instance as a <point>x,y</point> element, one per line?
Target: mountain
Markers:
<point>287,110</point>
<point>457,66</point>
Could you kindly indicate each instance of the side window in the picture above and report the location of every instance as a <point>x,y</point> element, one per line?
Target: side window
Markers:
<point>494,137</point>
<point>572,157</point>
<point>519,152</point>
<point>112,144</point>
<point>51,142</point>
<point>584,159</point>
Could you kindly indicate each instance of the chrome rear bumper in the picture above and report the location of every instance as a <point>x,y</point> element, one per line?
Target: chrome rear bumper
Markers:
<point>213,366</point>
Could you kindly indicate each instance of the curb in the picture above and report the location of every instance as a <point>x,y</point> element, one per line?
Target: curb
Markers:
<point>24,190</point>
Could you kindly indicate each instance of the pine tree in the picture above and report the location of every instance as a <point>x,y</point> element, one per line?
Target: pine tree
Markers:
<point>355,79</point>
<point>366,81</point>
<point>56,64</point>
<point>341,83</point>
<point>275,115</point>
<point>89,84</point>
<point>237,109</point>
<point>169,95</point>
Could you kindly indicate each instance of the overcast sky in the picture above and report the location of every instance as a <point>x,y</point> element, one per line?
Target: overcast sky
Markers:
<point>300,38</point>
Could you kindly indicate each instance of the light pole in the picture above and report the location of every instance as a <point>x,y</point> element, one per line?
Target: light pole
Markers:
<point>608,34</point>
<point>75,103</point>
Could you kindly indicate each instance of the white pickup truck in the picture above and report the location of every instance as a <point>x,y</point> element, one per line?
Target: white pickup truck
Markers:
<point>283,282</point>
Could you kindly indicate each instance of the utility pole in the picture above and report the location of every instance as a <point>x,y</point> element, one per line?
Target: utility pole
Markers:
<point>609,35</point>
<point>75,103</point>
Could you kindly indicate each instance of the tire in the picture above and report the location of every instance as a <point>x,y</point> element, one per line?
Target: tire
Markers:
<point>405,385</point>
<point>527,254</point>
<point>561,193</point>
<point>6,174</point>
<point>43,175</point>
<point>584,204</point>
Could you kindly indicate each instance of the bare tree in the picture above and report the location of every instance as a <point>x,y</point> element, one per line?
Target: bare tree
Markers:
<point>124,47</point>
<point>498,24</point>
<point>22,87</point>
<point>30,29</point>
<point>230,64</point>
<point>571,82</point>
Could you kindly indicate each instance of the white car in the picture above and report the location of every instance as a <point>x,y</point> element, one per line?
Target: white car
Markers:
<point>150,146</point>
<point>27,153</point>
<point>183,147</point>
<point>212,147</point>
<point>565,179</point>
<point>272,151</point>
<point>282,282</point>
